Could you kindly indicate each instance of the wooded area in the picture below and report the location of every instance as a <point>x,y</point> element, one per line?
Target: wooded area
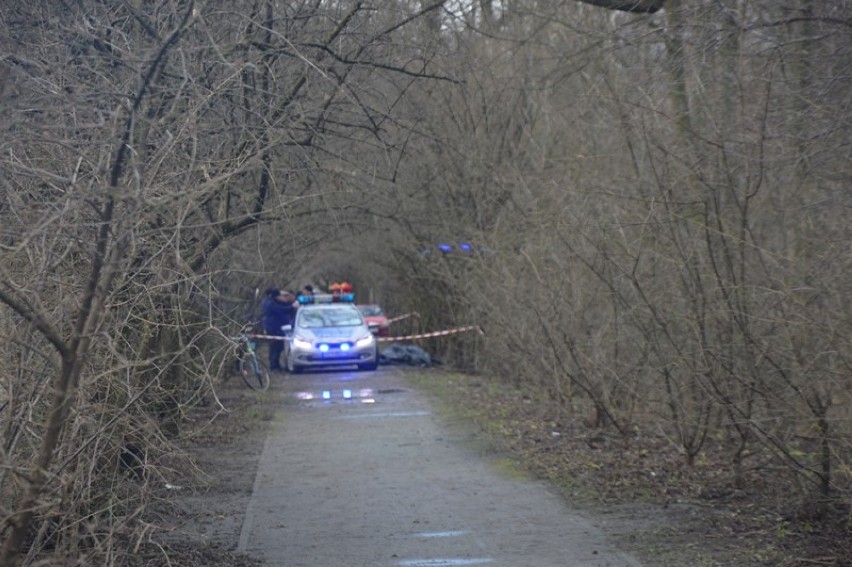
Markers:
<point>657,194</point>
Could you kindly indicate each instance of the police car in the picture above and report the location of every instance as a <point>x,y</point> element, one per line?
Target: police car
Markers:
<point>330,331</point>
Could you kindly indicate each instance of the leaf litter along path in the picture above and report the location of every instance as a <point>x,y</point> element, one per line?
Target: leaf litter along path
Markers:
<point>219,524</point>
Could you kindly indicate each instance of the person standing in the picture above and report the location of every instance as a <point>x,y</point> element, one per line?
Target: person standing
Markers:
<point>279,311</point>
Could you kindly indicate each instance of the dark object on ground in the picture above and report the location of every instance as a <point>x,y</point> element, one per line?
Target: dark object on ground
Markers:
<point>406,354</point>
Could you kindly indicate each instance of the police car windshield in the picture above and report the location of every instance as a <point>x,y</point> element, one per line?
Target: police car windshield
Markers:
<point>330,317</point>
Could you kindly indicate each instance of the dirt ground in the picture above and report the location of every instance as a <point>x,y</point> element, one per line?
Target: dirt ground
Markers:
<point>204,513</point>
<point>641,495</point>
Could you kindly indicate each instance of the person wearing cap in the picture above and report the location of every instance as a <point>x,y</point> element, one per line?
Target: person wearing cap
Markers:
<point>279,311</point>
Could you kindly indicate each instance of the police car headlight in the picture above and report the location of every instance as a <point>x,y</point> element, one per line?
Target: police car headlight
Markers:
<point>365,341</point>
<point>301,343</point>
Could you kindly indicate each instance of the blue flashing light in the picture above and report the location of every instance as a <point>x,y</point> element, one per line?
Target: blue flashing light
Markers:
<point>347,394</point>
<point>445,248</point>
<point>465,246</point>
<point>326,394</point>
<point>323,347</point>
<point>336,297</point>
<point>344,347</point>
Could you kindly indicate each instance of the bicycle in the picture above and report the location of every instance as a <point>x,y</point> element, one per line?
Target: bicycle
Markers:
<point>250,368</point>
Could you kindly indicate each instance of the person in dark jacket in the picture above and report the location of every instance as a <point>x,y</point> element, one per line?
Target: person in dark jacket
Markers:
<point>279,311</point>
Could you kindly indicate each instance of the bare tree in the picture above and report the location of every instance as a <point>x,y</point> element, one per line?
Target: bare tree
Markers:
<point>650,169</point>
<point>148,144</point>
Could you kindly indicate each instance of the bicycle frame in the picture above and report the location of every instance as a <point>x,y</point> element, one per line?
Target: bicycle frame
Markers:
<point>249,365</point>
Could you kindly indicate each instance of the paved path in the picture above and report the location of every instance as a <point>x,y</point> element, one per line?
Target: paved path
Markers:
<point>371,477</point>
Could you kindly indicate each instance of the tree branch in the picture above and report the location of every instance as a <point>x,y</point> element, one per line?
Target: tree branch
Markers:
<point>633,6</point>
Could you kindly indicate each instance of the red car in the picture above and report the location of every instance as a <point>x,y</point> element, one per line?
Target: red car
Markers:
<point>375,318</point>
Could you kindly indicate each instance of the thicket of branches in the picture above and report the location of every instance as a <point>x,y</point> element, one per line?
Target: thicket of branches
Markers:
<point>160,161</point>
<point>656,199</point>
<point>665,200</point>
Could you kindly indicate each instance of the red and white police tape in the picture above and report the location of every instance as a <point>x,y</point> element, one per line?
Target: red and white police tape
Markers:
<point>401,317</point>
<point>433,334</point>
<point>391,339</point>
<point>267,337</point>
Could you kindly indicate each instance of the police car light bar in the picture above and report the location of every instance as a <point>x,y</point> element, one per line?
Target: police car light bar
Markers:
<point>327,298</point>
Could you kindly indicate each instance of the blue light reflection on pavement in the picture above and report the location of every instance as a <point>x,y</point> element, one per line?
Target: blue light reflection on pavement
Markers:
<point>364,395</point>
<point>448,562</point>
<point>427,535</point>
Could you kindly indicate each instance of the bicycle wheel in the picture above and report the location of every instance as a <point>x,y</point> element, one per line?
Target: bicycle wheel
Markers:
<point>253,372</point>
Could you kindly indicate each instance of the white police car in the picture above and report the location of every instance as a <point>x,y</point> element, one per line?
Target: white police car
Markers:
<point>330,331</point>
